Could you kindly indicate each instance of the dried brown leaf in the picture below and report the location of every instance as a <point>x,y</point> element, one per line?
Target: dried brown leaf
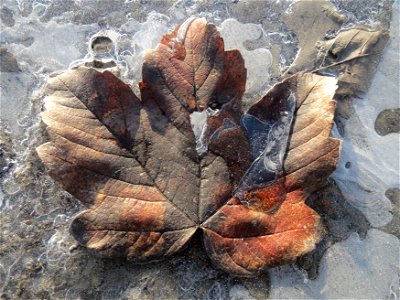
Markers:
<point>134,165</point>
<point>354,54</point>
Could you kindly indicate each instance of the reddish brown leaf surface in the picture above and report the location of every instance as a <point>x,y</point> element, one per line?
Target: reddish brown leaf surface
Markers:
<point>133,162</point>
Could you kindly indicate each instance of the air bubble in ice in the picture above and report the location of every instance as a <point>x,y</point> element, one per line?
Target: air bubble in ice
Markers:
<point>56,250</point>
<point>101,44</point>
<point>216,291</point>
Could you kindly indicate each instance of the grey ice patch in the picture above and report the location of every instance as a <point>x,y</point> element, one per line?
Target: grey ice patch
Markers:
<point>7,16</point>
<point>388,121</point>
<point>257,61</point>
<point>8,61</point>
<point>355,268</point>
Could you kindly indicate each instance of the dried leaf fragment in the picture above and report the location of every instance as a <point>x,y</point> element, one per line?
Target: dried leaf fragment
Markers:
<point>355,54</point>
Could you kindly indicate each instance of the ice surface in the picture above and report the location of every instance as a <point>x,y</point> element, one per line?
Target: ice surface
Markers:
<point>38,259</point>
<point>135,39</point>
<point>257,62</point>
<point>369,163</point>
<point>198,120</point>
<point>353,269</point>
<point>40,49</point>
<point>239,292</point>
<point>14,96</point>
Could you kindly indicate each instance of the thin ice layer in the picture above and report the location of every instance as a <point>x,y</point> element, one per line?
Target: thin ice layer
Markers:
<point>268,142</point>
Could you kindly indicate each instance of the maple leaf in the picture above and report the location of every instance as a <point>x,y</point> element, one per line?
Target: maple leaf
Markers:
<point>151,176</point>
